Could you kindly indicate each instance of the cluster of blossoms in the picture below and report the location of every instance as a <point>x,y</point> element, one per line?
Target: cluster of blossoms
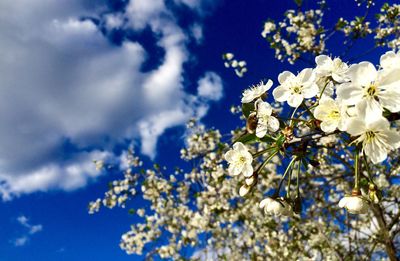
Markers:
<point>354,102</point>
<point>299,32</point>
<point>303,32</point>
<point>341,136</point>
<point>388,29</point>
<point>239,66</point>
<point>177,211</point>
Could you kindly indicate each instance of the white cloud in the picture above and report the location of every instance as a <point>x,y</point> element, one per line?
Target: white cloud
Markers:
<point>31,230</point>
<point>63,82</point>
<point>210,87</point>
<point>21,241</point>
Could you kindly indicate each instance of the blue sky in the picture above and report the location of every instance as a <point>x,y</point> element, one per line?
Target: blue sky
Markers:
<point>82,80</point>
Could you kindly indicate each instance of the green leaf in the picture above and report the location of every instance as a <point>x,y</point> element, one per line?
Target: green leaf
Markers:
<point>247,108</point>
<point>280,140</point>
<point>248,137</point>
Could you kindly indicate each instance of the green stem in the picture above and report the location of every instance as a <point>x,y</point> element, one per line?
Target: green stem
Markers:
<point>367,168</point>
<point>284,176</point>
<point>323,89</point>
<point>266,161</point>
<point>255,155</point>
<point>356,170</point>
<point>292,117</point>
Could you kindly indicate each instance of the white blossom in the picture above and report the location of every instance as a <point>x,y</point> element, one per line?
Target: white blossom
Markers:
<point>276,207</point>
<point>294,89</point>
<point>255,92</point>
<point>371,89</point>
<point>265,120</point>
<point>376,137</point>
<point>331,114</point>
<point>239,159</point>
<point>354,204</point>
<point>336,68</point>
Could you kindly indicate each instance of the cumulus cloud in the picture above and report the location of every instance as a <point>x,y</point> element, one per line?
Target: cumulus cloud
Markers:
<point>31,230</point>
<point>210,87</point>
<point>68,95</point>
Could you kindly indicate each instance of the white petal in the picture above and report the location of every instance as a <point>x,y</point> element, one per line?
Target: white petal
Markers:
<point>239,147</point>
<point>268,85</point>
<point>390,77</point>
<point>285,76</point>
<point>370,109</point>
<point>295,100</point>
<point>349,93</point>
<point>264,108</point>
<point>322,59</point>
<point>328,126</point>
<point>386,60</point>
<point>306,75</point>
<point>375,152</point>
<point>281,93</point>
<point>379,124</point>
<point>310,91</point>
<point>261,130</point>
<point>393,138</point>
<point>234,170</point>
<point>356,127</point>
<point>229,155</point>
<point>273,124</point>
<point>247,170</point>
<point>390,99</point>
<point>362,74</point>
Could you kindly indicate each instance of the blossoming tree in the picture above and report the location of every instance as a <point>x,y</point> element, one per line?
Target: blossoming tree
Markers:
<point>311,175</point>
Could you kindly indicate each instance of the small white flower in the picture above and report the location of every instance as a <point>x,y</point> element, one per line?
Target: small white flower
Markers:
<point>326,67</point>
<point>255,92</point>
<point>382,182</point>
<point>354,204</point>
<point>276,207</point>
<point>228,56</point>
<point>268,28</point>
<point>371,89</point>
<point>331,114</point>
<point>239,159</point>
<point>376,137</point>
<point>265,120</point>
<point>294,89</point>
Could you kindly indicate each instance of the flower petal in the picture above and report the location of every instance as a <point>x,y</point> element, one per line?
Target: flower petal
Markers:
<point>362,74</point>
<point>349,93</point>
<point>273,124</point>
<point>284,76</point>
<point>281,93</point>
<point>295,100</point>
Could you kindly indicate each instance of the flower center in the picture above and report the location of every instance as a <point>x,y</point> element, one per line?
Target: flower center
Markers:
<point>242,160</point>
<point>334,115</point>
<point>372,90</point>
<point>296,89</point>
<point>369,136</point>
